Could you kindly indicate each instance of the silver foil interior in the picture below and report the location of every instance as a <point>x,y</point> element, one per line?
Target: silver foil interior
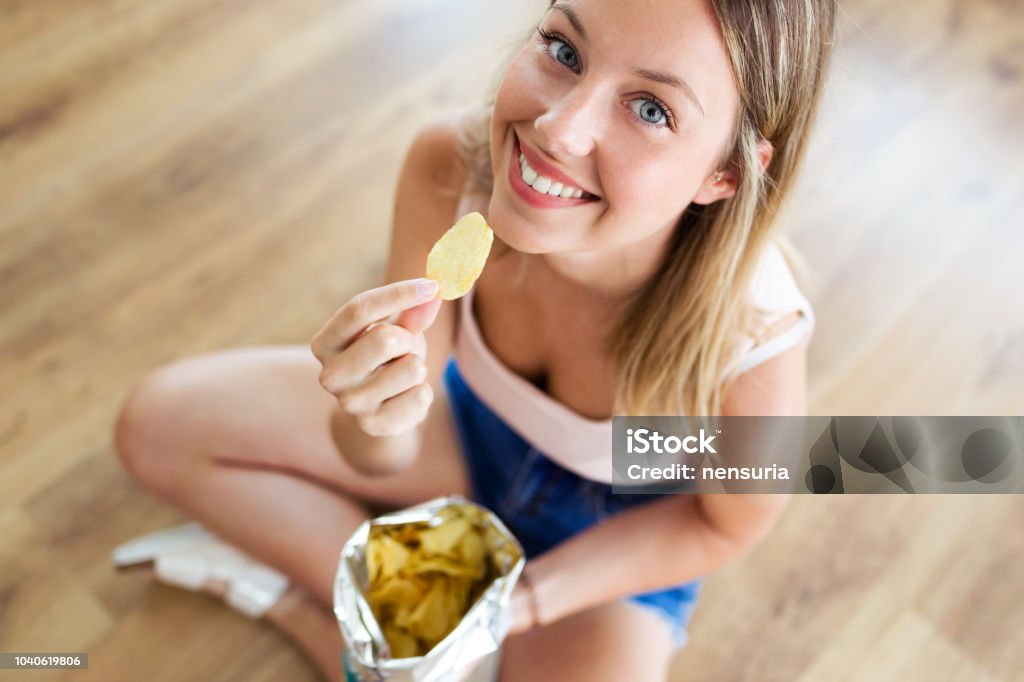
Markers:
<point>458,656</point>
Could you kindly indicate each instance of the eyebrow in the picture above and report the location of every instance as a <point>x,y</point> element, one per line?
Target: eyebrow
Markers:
<point>574,18</point>
<point>674,81</point>
<point>656,76</point>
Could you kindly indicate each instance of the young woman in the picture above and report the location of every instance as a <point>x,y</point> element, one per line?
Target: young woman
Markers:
<point>631,163</point>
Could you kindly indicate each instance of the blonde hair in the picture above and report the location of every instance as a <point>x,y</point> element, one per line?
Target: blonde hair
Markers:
<point>675,342</point>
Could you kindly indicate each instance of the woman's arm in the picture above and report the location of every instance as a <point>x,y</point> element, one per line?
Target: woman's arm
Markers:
<point>663,543</point>
<point>679,538</point>
<point>425,202</point>
<point>776,387</point>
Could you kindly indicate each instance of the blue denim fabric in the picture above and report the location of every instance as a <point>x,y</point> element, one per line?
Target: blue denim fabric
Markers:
<point>542,503</point>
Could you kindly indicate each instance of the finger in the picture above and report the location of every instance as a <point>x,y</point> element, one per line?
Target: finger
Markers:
<point>371,350</point>
<point>368,307</point>
<point>390,380</point>
<point>400,414</point>
<point>419,318</point>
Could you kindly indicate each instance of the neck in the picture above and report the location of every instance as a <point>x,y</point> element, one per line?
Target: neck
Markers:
<point>609,277</point>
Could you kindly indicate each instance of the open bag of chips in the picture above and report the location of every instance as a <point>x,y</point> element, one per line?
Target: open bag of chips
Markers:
<point>423,594</point>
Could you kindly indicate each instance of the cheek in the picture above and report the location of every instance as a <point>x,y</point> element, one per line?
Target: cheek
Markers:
<point>523,90</point>
<point>513,88</point>
<point>647,190</point>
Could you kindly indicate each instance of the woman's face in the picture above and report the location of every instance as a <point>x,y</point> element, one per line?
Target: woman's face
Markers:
<point>627,106</point>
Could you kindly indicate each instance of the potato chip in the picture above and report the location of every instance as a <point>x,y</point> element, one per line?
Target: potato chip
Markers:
<point>403,645</point>
<point>458,257</point>
<point>442,539</point>
<point>408,534</point>
<point>385,558</point>
<point>408,590</point>
<point>450,567</point>
<point>471,548</point>
<point>433,617</point>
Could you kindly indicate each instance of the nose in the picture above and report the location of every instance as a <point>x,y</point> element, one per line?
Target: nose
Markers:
<point>570,124</point>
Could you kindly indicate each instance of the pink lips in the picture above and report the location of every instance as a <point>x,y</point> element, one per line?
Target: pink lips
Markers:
<point>533,197</point>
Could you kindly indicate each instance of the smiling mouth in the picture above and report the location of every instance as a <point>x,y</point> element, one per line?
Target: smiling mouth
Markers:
<point>547,186</point>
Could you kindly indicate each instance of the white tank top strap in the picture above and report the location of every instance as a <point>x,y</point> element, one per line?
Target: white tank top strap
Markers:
<point>775,292</point>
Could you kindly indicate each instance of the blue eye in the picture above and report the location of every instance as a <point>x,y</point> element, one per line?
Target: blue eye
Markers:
<point>559,49</point>
<point>650,111</point>
<point>563,53</point>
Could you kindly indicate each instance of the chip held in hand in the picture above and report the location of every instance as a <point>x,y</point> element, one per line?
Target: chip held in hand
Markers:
<point>458,257</point>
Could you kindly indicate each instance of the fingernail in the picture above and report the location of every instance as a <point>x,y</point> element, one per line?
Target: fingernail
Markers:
<point>426,288</point>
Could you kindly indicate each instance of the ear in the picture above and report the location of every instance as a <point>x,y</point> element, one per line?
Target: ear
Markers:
<point>722,184</point>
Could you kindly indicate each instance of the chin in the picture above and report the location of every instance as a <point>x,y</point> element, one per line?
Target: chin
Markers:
<point>516,231</point>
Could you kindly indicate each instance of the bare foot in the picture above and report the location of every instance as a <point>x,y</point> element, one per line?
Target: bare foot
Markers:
<point>313,627</point>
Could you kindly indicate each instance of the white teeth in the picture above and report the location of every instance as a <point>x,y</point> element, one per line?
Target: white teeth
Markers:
<point>546,185</point>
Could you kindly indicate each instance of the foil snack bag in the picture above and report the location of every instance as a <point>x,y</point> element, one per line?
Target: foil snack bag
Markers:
<point>422,594</point>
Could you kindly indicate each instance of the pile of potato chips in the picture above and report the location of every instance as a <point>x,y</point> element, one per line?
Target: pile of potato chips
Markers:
<point>423,579</point>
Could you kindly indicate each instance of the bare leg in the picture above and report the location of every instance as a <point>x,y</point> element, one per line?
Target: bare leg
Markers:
<point>304,621</point>
<point>607,643</point>
<point>291,524</point>
<point>239,441</point>
<point>301,536</point>
<point>312,628</point>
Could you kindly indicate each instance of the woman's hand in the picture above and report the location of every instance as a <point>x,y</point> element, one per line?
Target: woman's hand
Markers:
<point>375,367</point>
<point>522,618</point>
<point>523,605</point>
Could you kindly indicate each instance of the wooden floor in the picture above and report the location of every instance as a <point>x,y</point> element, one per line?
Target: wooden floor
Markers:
<point>178,176</point>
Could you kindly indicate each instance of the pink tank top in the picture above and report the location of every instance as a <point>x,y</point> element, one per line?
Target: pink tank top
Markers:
<point>583,445</point>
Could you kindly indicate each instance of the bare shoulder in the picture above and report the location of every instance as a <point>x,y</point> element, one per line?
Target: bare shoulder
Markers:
<point>777,386</point>
<point>428,192</point>
<point>426,199</point>
<point>433,156</point>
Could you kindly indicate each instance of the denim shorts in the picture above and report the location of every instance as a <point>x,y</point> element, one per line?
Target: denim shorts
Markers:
<point>542,503</point>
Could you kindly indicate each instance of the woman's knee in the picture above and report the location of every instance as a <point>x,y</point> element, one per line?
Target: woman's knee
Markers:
<point>612,642</point>
<point>149,428</point>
